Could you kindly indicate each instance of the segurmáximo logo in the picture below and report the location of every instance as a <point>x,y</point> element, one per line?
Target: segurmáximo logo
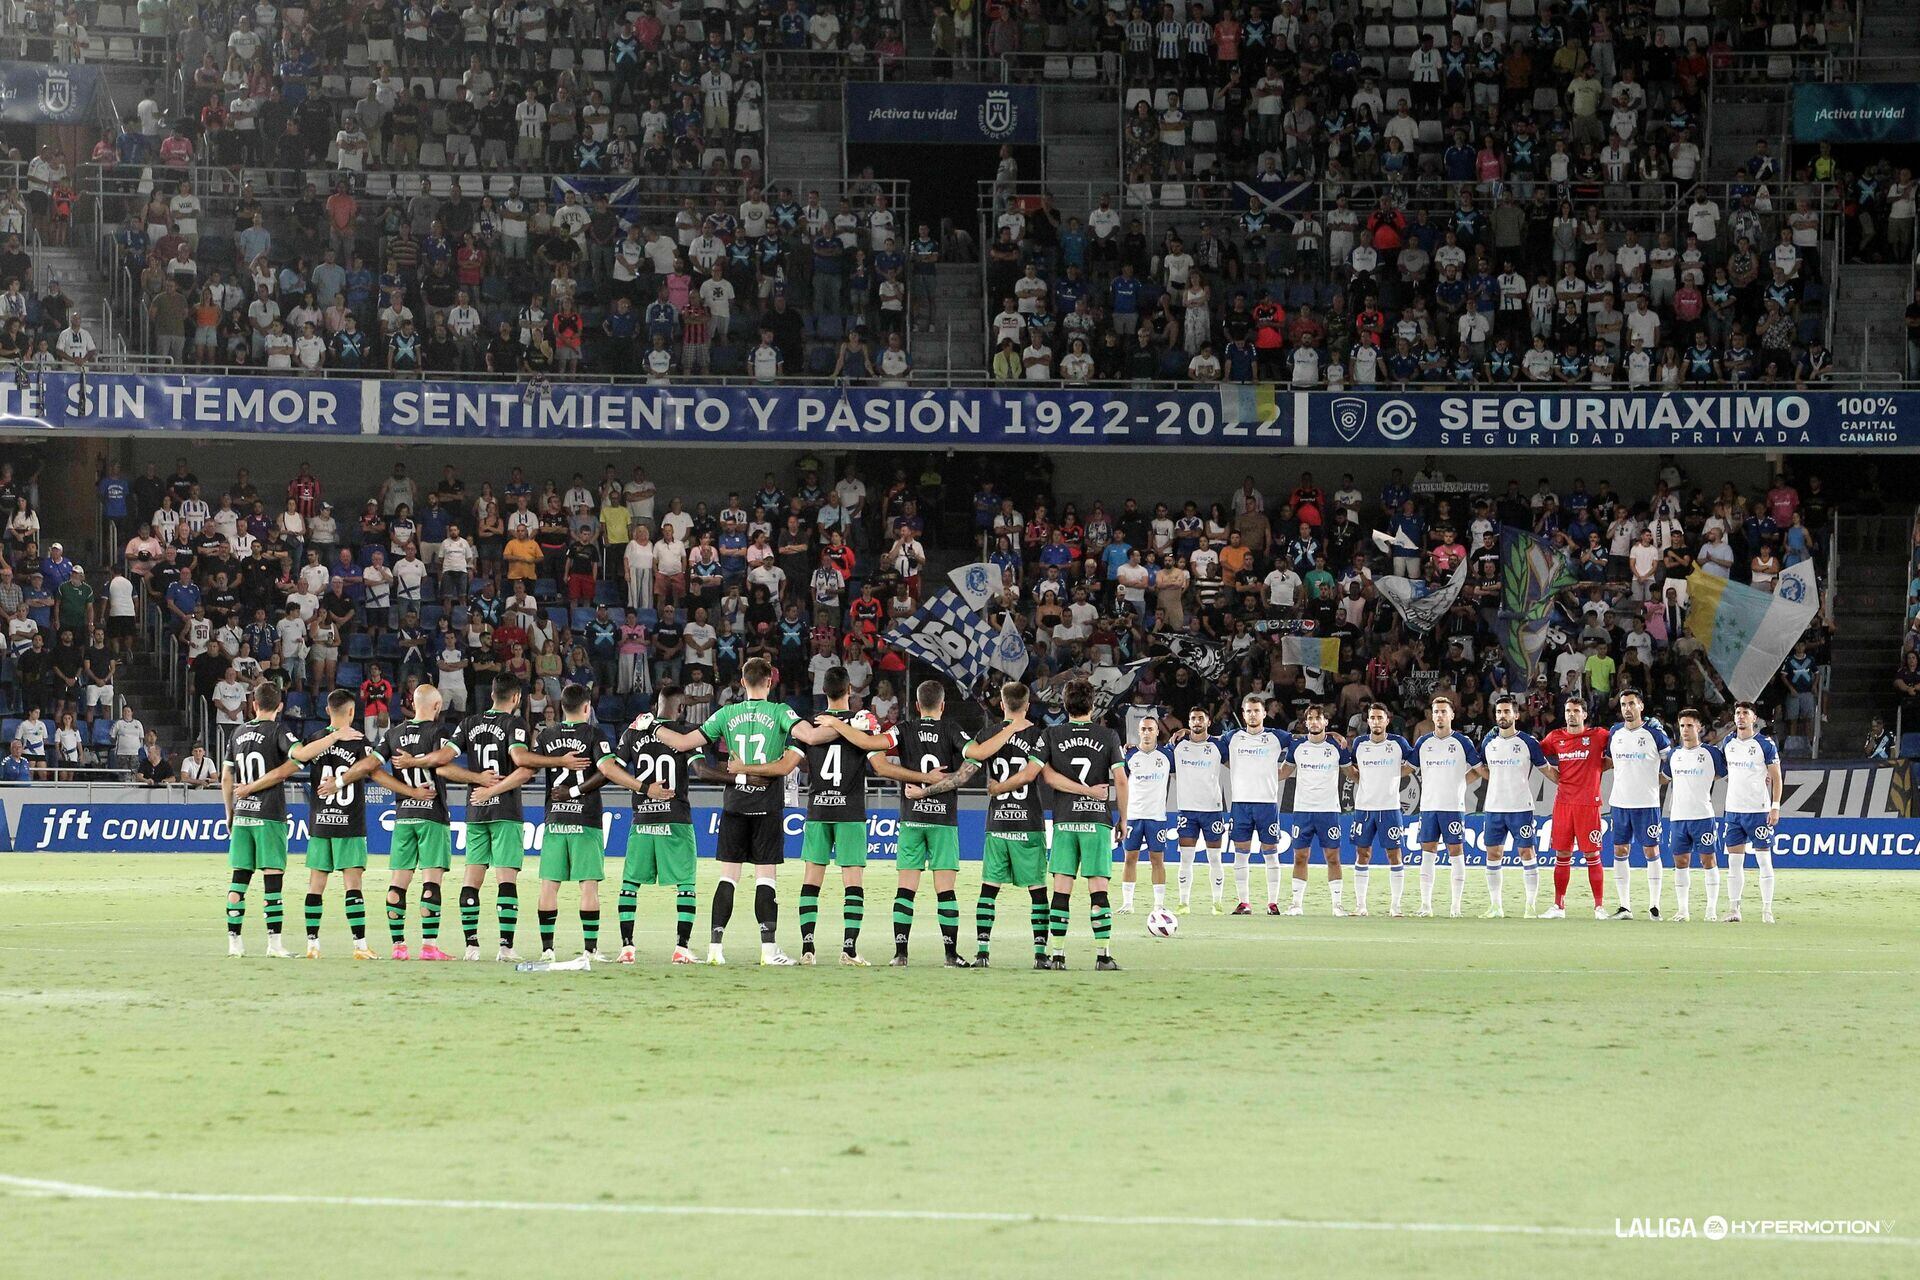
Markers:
<point>999,118</point>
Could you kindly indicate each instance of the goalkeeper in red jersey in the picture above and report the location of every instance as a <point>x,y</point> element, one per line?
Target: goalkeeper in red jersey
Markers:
<point>1578,756</point>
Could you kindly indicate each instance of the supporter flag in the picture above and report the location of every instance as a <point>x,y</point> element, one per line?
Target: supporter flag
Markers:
<point>1531,575</point>
<point>1315,656</point>
<point>1399,541</point>
<point>1009,653</point>
<point>1110,685</point>
<point>1749,632</point>
<point>1249,404</point>
<point>947,634</point>
<point>1207,659</point>
<point>1420,609</point>
<point>977,584</point>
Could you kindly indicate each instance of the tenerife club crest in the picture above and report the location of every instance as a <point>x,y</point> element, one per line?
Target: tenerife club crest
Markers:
<point>56,93</point>
<point>998,116</point>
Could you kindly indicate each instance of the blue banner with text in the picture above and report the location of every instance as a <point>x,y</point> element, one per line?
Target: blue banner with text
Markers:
<point>1259,416</point>
<point>893,111</point>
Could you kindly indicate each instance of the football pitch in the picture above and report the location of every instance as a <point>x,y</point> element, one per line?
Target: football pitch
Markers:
<point>1256,1096</point>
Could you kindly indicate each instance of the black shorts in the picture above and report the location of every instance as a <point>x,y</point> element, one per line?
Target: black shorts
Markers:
<point>120,628</point>
<point>754,838</point>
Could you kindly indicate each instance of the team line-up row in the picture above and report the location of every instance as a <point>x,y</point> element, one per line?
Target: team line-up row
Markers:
<point>1063,799</point>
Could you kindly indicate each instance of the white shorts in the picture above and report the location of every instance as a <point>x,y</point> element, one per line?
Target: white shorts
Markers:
<point>98,695</point>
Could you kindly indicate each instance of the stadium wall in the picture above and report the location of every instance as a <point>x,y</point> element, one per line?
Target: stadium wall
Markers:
<point>1835,815</point>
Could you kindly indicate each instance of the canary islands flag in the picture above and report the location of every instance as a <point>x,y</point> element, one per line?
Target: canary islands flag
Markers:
<point>1749,632</point>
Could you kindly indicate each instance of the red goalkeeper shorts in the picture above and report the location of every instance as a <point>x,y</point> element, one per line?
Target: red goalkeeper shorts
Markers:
<point>1576,829</point>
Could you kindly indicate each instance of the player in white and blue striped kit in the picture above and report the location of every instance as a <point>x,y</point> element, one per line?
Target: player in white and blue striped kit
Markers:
<point>1753,808</point>
<point>1314,762</point>
<point>1510,756</point>
<point>1636,747</point>
<point>1692,831</point>
<point>1377,763</point>
<point>1149,771</point>
<point>1200,798</point>
<point>1448,761</point>
<point>1254,754</point>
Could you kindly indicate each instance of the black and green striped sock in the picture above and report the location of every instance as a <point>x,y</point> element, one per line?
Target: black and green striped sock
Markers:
<point>237,901</point>
<point>357,914</point>
<point>276,912</point>
<point>470,913</point>
<point>1102,913</point>
<point>809,914</point>
<point>853,913</point>
<point>629,907</point>
<point>902,919</point>
<point>590,928</point>
<point>507,903</point>
<point>1037,914</point>
<point>947,908</point>
<point>397,914</point>
<point>1057,915</point>
<point>983,915</point>
<point>547,920</point>
<point>684,905</point>
<point>313,917</point>
<point>430,912</point>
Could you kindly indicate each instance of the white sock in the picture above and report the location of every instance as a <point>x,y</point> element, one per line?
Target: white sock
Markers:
<point>1458,865</point>
<point>1159,896</point>
<point>1243,875</point>
<point>1186,872</point>
<point>1495,871</point>
<point>1623,881</point>
<point>1126,895</point>
<point>1656,875</point>
<point>1276,876</point>
<point>1361,875</point>
<point>1429,866</point>
<point>768,950</point>
<point>1396,883</point>
<point>1765,858</point>
<point>1337,889</point>
<point>1682,888</point>
<point>1530,877</point>
<point>1217,860</point>
<point>1299,891</point>
<point>1713,891</point>
<point>1736,879</point>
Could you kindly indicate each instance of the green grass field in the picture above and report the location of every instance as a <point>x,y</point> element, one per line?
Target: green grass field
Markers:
<point>1255,1097</point>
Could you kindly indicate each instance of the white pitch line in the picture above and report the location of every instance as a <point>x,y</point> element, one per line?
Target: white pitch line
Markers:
<point>42,1187</point>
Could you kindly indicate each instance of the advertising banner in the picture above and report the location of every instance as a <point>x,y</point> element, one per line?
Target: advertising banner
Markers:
<point>40,93</point>
<point>1257,416</point>
<point>918,114</point>
<point>1856,112</point>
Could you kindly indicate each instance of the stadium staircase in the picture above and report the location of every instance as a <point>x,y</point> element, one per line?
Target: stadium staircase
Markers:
<point>1869,322</point>
<point>75,271</point>
<point>1869,619</point>
<point>143,685</point>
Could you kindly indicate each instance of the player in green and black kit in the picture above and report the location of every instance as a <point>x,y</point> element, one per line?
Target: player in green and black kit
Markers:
<point>756,732</point>
<point>420,754</point>
<point>261,755</point>
<point>836,829</point>
<point>932,761</point>
<point>337,820</point>
<point>572,844</point>
<point>496,742</point>
<point>1084,763</point>
<point>1015,849</point>
<point>660,847</point>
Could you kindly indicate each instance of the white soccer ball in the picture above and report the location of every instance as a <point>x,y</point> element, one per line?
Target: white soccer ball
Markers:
<point>1162,923</point>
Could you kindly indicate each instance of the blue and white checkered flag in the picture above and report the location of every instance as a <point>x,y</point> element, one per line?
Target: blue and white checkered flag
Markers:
<point>948,635</point>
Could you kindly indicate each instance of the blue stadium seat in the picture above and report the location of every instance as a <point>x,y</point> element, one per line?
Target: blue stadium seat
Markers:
<point>557,615</point>
<point>359,646</point>
<point>580,617</point>
<point>607,592</point>
<point>8,727</point>
<point>348,675</point>
<point>296,703</point>
<point>544,588</point>
<point>102,735</point>
<point>648,618</point>
<point>610,709</point>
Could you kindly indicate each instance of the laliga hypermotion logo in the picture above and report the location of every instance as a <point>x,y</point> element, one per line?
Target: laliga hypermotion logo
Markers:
<point>1395,421</point>
<point>997,114</point>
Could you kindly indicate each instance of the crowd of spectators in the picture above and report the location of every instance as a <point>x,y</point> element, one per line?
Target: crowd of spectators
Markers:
<point>1499,196</point>
<point>602,581</point>
<point>474,277</point>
